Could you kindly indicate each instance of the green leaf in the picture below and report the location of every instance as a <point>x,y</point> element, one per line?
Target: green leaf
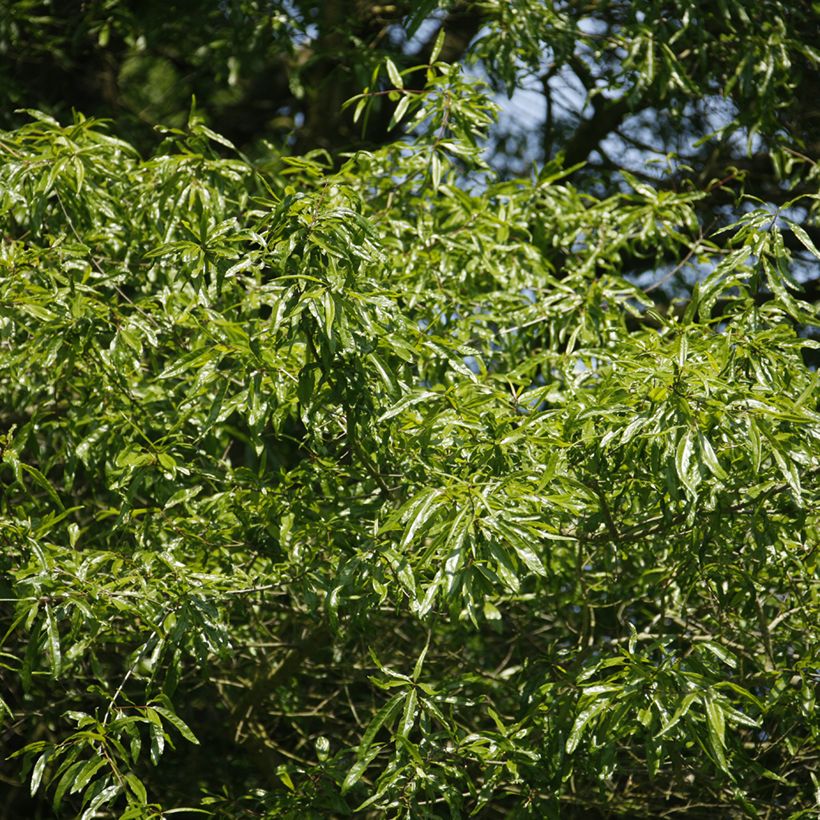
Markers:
<point>716,724</point>
<point>504,566</point>
<point>710,459</point>
<point>721,652</point>
<point>529,557</point>
<point>420,660</point>
<point>680,712</point>
<point>787,467</point>
<point>136,788</point>
<point>582,720</point>
<point>518,541</point>
<point>212,135</point>
<point>329,312</point>
<point>53,642</point>
<point>103,797</point>
<point>422,607</point>
<point>409,714</point>
<point>393,73</point>
<point>66,779</point>
<point>438,45</point>
<point>401,110</point>
<point>435,171</point>
<point>382,717</point>
<point>4,707</point>
<point>43,482</point>
<point>404,403</point>
<point>360,106</point>
<point>684,463</point>
<point>430,499</point>
<point>88,771</point>
<point>157,737</point>
<point>804,238</point>
<point>386,374</point>
<point>358,769</point>
<point>284,775</point>
<point>633,638</point>
<point>491,611</point>
<point>177,723</point>
<point>37,771</point>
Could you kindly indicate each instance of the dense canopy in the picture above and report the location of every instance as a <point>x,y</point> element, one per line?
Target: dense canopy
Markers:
<point>409,409</point>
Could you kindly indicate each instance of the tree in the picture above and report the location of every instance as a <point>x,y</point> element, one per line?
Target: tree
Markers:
<point>362,477</point>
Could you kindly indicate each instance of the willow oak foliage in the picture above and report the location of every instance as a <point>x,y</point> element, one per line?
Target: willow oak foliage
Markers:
<point>359,490</point>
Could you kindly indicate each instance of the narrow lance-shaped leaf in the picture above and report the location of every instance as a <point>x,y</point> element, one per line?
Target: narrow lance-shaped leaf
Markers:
<point>684,463</point>
<point>805,239</point>
<point>53,642</point>
<point>710,459</point>
<point>393,73</point>
<point>716,725</point>
<point>409,713</point>
<point>38,770</point>
<point>421,515</point>
<point>583,718</point>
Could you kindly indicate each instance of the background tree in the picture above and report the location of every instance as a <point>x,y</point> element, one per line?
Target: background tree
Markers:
<point>395,463</point>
